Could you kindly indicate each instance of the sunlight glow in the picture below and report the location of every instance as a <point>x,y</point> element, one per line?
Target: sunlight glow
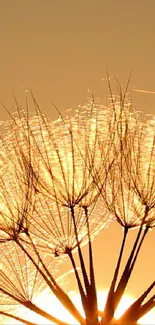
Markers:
<point>50,304</point>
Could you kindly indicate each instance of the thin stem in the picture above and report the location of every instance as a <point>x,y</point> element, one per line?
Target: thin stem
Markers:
<point>109,308</point>
<point>92,294</point>
<point>59,293</point>
<point>138,249</point>
<point>84,273</point>
<point>133,313</point>
<point>129,267</point>
<point>24,321</point>
<point>147,307</point>
<point>82,293</point>
<point>43,313</point>
<point>31,306</point>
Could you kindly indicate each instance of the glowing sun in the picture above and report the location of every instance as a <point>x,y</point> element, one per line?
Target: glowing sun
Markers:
<point>50,304</point>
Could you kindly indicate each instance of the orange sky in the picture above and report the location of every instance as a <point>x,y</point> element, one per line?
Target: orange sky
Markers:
<point>60,49</point>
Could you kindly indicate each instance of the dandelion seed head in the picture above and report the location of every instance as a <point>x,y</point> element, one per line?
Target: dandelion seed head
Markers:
<point>62,182</point>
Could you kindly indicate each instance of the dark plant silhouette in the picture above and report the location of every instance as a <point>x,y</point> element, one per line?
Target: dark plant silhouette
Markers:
<point>61,183</point>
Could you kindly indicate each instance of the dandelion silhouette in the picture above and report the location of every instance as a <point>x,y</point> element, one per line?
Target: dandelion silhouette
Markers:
<point>61,184</point>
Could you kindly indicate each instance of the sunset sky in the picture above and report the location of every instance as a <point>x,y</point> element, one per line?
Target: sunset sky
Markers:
<point>61,48</point>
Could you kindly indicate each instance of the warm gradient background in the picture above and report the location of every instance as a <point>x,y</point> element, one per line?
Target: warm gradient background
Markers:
<point>61,48</point>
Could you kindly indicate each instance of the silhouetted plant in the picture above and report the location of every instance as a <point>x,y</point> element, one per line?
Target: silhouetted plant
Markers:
<point>61,183</point>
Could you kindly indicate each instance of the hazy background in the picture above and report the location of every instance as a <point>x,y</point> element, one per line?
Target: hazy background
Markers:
<point>61,48</point>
